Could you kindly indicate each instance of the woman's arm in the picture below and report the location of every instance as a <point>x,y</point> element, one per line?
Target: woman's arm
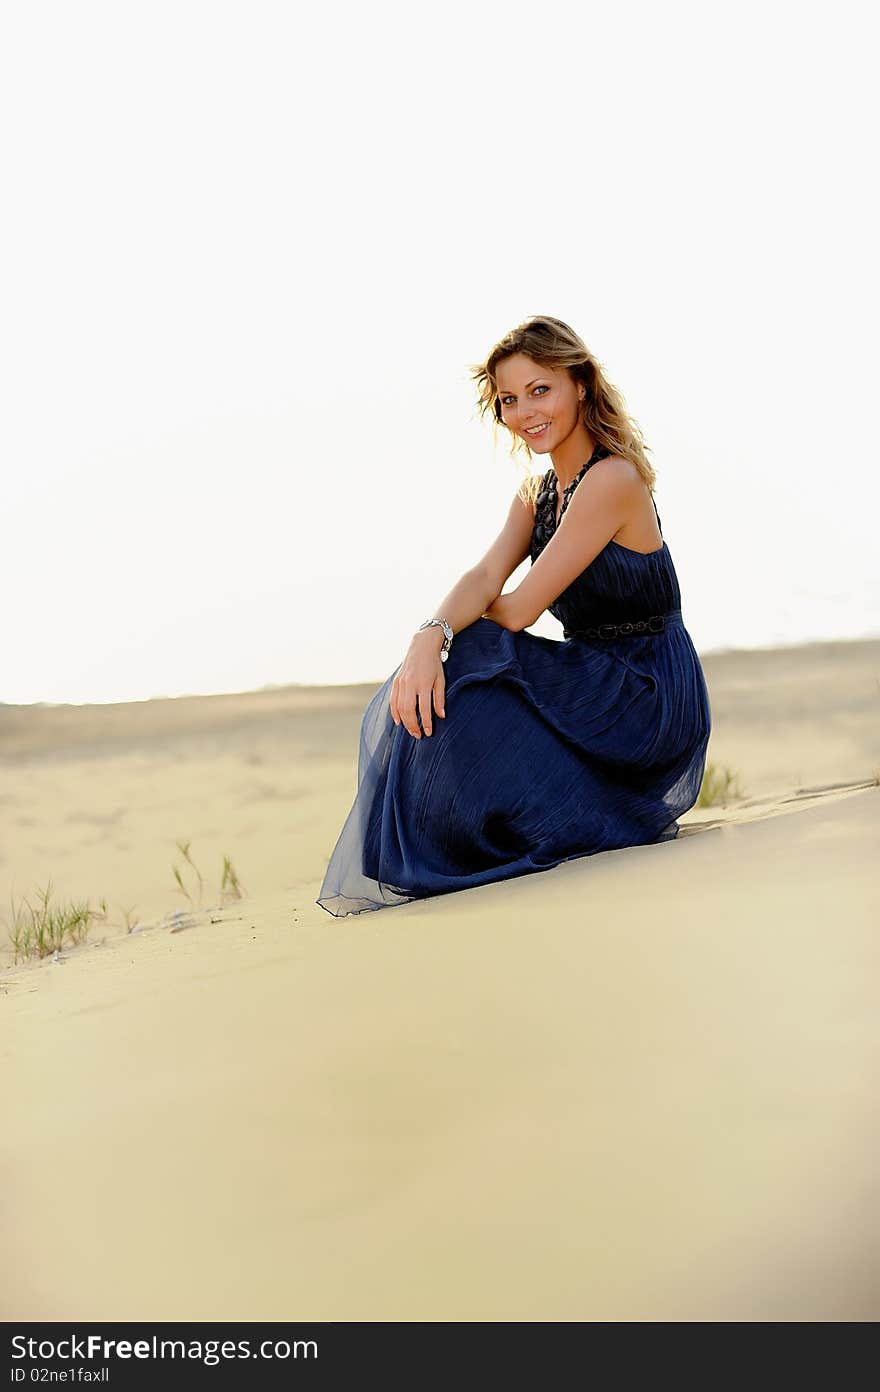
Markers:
<point>466,602</point>
<point>609,496</point>
<point>501,612</point>
<point>478,592</point>
<point>420,680</point>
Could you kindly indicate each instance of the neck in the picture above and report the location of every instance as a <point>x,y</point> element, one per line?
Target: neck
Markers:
<point>571,456</point>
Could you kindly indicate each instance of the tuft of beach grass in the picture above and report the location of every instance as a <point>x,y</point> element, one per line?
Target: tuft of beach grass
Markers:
<point>44,928</point>
<point>719,786</point>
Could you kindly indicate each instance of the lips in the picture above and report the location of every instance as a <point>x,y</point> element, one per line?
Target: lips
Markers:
<point>537,431</point>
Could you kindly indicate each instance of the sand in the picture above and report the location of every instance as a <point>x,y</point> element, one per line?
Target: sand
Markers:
<point>642,1085</point>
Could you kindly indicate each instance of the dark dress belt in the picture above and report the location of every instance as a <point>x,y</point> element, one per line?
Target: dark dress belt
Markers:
<point>655,624</point>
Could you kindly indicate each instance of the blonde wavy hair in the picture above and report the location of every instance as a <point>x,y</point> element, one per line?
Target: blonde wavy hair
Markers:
<point>553,344</point>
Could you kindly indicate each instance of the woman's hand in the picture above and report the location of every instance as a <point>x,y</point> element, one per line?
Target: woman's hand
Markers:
<point>420,677</point>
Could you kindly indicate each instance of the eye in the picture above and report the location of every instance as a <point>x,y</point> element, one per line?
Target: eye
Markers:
<point>540,388</point>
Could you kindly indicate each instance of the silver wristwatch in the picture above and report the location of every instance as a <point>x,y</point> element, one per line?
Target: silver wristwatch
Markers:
<point>447,635</point>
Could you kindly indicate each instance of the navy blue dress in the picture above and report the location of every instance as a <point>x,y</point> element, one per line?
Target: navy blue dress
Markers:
<point>550,750</point>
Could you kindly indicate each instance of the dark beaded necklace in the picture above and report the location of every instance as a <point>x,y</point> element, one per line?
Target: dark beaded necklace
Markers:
<point>545,505</point>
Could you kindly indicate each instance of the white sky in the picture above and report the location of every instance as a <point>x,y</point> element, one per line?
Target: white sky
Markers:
<point>250,249</point>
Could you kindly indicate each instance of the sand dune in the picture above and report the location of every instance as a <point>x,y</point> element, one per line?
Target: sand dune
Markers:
<point>642,1085</point>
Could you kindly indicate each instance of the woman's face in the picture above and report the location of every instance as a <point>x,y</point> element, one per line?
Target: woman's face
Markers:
<point>538,403</point>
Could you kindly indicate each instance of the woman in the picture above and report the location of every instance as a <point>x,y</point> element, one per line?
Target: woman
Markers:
<point>537,750</point>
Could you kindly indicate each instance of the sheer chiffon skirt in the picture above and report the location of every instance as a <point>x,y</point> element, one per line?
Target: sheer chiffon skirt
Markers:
<point>550,750</point>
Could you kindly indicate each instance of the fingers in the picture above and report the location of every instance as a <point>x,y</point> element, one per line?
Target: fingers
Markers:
<point>412,708</point>
<point>424,710</point>
<point>403,710</point>
<point>408,712</point>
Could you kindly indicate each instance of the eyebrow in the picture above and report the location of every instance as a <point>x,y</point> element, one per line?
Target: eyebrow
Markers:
<point>528,384</point>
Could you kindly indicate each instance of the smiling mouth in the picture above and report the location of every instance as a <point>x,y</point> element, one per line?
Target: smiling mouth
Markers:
<point>538,430</point>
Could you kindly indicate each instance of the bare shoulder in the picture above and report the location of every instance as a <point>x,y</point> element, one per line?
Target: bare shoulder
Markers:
<point>612,477</point>
<point>622,491</point>
<point>616,467</point>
